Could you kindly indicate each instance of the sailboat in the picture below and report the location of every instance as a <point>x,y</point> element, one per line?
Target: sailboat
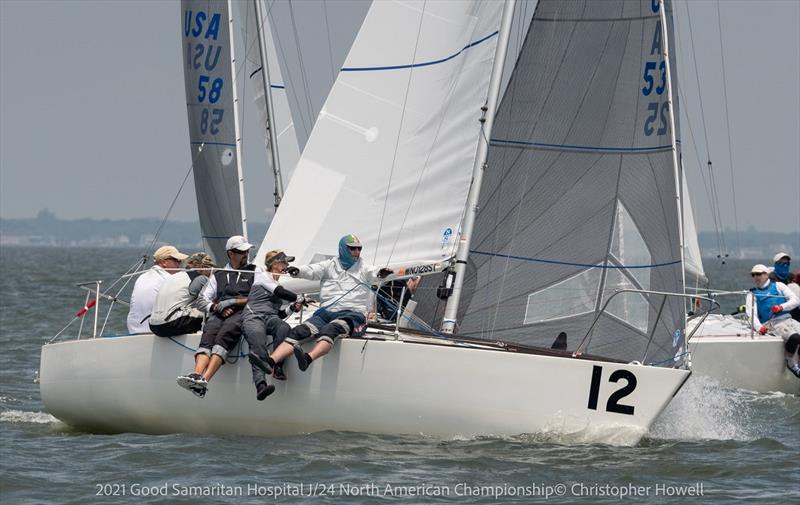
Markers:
<point>580,196</point>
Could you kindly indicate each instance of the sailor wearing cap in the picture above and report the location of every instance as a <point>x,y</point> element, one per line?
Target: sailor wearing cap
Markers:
<point>345,298</point>
<point>268,305</point>
<point>178,309</point>
<point>167,261</point>
<point>224,296</point>
<point>768,306</point>
<point>780,269</point>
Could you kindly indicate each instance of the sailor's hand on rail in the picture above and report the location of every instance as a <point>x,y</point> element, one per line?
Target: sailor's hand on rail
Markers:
<point>293,271</point>
<point>776,308</point>
<point>227,312</point>
<point>384,273</point>
<point>763,330</point>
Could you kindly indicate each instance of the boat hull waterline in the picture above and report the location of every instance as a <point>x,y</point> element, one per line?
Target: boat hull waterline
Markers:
<point>127,384</point>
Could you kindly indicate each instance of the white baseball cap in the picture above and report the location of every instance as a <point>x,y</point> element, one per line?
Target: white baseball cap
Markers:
<point>779,257</point>
<point>238,243</point>
<point>759,269</point>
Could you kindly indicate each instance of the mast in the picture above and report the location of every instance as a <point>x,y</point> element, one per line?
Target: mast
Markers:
<point>451,309</point>
<point>273,137</point>
<point>678,167</point>
<point>237,133</point>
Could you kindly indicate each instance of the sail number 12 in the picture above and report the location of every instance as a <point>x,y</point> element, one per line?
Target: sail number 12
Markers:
<point>613,404</point>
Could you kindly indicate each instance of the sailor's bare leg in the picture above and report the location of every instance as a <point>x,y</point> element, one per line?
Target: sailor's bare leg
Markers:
<point>321,349</point>
<point>213,365</point>
<point>200,363</point>
<point>282,352</point>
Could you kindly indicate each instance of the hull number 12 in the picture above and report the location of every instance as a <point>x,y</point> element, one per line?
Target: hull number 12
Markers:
<point>613,404</point>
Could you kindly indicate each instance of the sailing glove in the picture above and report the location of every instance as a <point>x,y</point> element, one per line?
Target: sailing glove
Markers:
<point>384,273</point>
<point>763,330</point>
<point>293,271</point>
<point>777,308</point>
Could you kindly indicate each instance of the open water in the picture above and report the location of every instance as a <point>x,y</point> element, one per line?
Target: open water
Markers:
<point>725,446</point>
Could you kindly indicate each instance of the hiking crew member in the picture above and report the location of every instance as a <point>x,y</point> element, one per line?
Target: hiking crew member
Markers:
<point>768,306</point>
<point>225,296</point>
<point>179,309</point>
<point>167,261</point>
<point>267,306</point>
<point>345,298</point>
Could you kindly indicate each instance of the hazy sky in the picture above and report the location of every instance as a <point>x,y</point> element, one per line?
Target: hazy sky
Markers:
<point>93,117</point>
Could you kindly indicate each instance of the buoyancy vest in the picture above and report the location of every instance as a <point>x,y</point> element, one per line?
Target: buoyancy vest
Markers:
<point>234,284</point>
<point>765,299</point>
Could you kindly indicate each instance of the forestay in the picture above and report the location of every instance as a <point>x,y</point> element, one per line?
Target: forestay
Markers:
<point>288,148</point>
<point>580,198</point>
<point>210,88</point>
<point>390,157</point>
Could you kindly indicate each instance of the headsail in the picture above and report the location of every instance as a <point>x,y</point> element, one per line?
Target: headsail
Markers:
<point>579,199</point>
<point>390,157</point>
<point>210,88</point>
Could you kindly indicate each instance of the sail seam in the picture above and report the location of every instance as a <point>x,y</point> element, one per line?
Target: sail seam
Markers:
<point>571,147</point>
<point>423,64</point>
<point>569,263</point>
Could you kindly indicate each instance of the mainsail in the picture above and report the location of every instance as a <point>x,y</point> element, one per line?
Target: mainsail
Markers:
<point>213,130</point>
<point>390,157</point>
<point>580,199</point>
<point>312,40</point>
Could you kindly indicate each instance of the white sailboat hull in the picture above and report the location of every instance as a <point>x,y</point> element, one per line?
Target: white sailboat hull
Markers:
<point>725,349</point>
<point>127,384</point>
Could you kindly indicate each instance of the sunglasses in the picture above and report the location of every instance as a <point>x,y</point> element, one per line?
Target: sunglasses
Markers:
<point>357,248</point>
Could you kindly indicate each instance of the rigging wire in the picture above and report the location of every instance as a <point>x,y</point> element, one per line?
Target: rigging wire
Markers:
<point>330,45</point>
<point>303,75</point>
<point>728,127</point>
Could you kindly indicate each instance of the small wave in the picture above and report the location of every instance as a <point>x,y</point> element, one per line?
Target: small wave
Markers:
<point>704,410</point>
<point>21,416</point>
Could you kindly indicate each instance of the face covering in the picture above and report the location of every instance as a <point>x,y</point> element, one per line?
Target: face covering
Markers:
<point>345,257</point>
<point>782,271</point>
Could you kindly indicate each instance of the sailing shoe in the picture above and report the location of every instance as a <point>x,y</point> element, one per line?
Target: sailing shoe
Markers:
<point>303,359</point>
<point>278,372</point>
<point>199,391</point>
<point>263,390</point>
<point>793,367</point>
<point>192,380</point>
<point>264,366</point>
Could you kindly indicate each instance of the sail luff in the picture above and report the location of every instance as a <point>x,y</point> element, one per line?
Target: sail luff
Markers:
<point>462,253</point>
<point>678,168</point>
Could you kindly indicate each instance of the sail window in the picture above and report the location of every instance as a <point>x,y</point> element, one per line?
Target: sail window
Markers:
<point>570,297</point>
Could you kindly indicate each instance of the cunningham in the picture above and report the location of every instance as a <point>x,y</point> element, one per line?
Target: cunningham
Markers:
<point>212,490</point>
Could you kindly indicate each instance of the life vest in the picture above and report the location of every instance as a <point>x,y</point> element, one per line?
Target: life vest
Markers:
<point>765,299</point>
<point>234,284</point>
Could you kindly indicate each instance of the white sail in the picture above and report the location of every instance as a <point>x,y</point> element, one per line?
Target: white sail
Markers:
<point>312,39</point>
<point>390,157</point>
<point>215,150</point>
<point>288,148</point>
<point>692,259</point>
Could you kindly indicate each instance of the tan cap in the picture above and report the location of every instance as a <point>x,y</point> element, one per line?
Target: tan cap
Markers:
<point>168,251</point>
<point>779,257</point>
<point>200,260</point>
<point>277,255</point>
<point>759,269</point>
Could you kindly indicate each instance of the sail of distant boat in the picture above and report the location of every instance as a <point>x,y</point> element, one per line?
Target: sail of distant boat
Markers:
<point>210,81</point>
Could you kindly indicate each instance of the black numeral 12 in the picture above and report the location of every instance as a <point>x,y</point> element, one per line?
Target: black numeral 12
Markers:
<point>612,405</point>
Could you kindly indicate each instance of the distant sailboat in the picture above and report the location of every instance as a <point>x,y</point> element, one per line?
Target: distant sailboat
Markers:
<point>582,154</point>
